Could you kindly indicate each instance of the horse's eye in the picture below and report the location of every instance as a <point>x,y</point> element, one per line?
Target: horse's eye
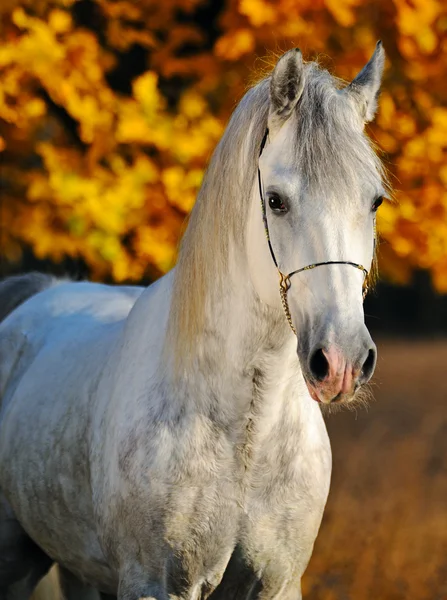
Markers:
<point>377,202</point>
<point>276,204</point>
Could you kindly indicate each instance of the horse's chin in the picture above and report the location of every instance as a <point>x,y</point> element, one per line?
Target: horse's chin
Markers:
<point>337,399</point>
<point>360,399</point>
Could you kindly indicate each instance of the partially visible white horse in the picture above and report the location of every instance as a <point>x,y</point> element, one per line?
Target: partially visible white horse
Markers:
<point>166,443</point>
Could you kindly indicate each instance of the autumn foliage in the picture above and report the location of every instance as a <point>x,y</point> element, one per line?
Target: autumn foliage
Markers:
<point>109,111</point>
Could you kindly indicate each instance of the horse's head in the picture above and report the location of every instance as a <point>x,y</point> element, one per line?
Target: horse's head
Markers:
<point>320,184</point>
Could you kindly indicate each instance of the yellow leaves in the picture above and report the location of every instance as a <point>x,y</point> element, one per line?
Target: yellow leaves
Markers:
<point>416,148</point>
<point>443,175</point>
<point>173,180</point>
<point>342,10</point>
<point>427,40</point>
<point>16,104</point>
<point>20,18</point>
<point>259,12</point>
<point>125,145</point>
<point>142,119</point>
<point>155,244</point>
<point>146,93</point>
<point>233,45</point>
<point>132,126</point>
<point>35,108</point>
<point>365,37</point>
<point>181,186</point>
<point>439,119</point>
<point>402,246</point>
<point>192,105</point>
<point>38,47</point>
<point>386,218</point>
<point>387,110</point>
<point>102,200</point>
<point>417,15</point>
<point>417,21</point>
<point>122,38</point>
<point>121,10</point>
<point>59,21</point>
<point>195,142</point>
<point>72,63</point>
<point>189,135</point>
<point>405,125</point>
<point>296,28</point>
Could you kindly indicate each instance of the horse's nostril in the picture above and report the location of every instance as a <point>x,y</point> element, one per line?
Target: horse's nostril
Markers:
<point>319,365</point>
<point>369,365</point>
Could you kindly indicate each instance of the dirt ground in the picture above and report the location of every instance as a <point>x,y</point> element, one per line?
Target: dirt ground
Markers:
<point>384,532</point>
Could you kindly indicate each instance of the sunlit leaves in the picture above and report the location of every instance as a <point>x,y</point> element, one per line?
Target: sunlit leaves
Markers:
<point>107,172</point>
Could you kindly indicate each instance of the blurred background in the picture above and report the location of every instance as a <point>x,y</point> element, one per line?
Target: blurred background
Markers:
<point>109,112</point>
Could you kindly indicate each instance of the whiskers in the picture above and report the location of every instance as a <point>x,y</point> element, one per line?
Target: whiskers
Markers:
<point>361,401</point>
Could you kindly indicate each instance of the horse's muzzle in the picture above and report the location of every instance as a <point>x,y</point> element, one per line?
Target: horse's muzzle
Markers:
<point>334,374</point>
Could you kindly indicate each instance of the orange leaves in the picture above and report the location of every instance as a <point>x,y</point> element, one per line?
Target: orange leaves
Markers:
<point>108,118</point>
<point>146,92</point>
<point>259,12</point>
<point>236,43</point>
<point>116,202</point>
<point>60,21</point>
<point>181,186</point>
<point>421,26</point>
<point>67,67</point>
<point>343,11</point>
<point>417,20</point>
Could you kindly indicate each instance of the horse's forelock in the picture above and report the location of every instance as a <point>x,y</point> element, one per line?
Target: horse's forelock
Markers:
<point>332,152</point>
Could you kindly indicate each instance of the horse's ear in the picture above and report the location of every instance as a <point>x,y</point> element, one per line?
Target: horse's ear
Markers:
<point>365,88</point>
<point>286,87</point>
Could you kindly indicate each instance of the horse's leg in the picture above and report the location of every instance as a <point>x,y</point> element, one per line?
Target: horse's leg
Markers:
<point>142,588</point>
<point>74,589</point>
<point>172,580</point>
<point>290,591</point>
<point>24,588</point>
<point>158,591</point>
<point>20,583</point>
<point>22,562</point>
<point>293,593</point>
<point>132,590</point>
<point>148,592</point>
<point>239,581</point>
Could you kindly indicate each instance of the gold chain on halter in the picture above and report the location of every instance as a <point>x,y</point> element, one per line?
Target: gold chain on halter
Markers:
<point>284,285</point>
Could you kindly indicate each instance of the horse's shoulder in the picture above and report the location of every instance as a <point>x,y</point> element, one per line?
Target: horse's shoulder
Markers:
<point>96,298</point>
<point>65,313</point>
<point>74,301</point>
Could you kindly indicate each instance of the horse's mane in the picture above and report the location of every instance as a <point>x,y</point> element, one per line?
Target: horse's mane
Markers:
<point>329,153</point>
<point>219,215</point>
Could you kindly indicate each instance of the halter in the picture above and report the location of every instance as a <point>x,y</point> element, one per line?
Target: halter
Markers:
<point>284,280</point>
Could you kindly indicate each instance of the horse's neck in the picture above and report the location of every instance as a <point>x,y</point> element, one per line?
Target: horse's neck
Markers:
<point>244,376</point>
<point>245,353</point>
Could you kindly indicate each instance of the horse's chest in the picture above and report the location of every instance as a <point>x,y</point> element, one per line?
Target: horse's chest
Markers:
<point>207,495</point>
<point>284,487</point>
<point>282,494</point>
